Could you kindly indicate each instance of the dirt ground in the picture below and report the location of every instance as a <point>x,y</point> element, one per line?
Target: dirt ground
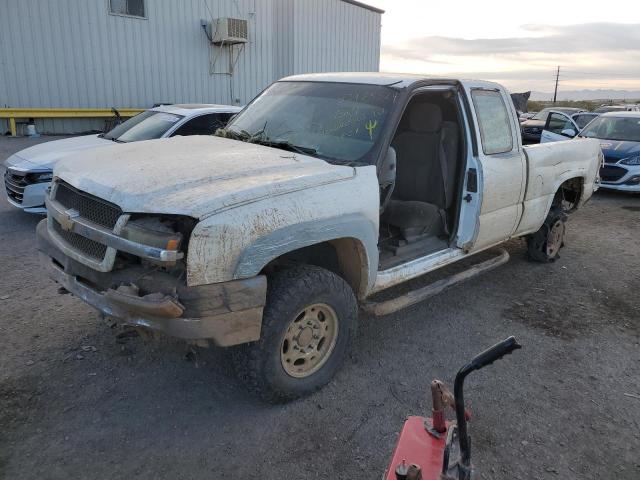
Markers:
<point>77,403</point>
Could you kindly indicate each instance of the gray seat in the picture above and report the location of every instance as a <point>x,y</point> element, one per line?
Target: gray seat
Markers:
<point>425,173</point>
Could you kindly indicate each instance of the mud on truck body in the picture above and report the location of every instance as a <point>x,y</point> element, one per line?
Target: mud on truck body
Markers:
<point>322,192</point>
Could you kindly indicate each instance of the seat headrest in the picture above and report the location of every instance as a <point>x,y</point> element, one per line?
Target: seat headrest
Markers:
<point>425,117</point>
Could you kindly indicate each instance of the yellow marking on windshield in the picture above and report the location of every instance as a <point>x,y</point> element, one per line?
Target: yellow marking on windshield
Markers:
<point>371,126</point>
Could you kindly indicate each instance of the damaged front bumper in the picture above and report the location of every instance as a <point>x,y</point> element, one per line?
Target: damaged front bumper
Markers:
<point>228,313</point>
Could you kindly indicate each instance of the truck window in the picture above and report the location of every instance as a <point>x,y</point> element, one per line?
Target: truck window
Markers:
<point>494,122</point>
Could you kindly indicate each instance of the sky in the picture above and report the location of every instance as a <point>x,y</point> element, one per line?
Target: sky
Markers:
<point>517,43</point>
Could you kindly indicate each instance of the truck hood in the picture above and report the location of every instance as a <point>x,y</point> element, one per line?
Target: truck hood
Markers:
<point>44,156</point>
<point>195,176</point>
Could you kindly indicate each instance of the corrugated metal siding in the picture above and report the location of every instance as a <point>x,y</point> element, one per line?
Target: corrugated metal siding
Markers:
<point>331,34</point>
<point>283,45</point>
<point>73,53</point>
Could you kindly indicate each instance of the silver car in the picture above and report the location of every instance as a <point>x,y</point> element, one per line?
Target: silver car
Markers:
<point>28,173</point>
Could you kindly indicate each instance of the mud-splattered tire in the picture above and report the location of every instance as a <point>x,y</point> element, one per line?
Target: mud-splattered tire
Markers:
<point>544,245</point>
<point>308,325</point>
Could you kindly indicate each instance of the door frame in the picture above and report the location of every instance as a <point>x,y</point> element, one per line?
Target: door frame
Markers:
<point>548,136</point>
<point>501,206</point>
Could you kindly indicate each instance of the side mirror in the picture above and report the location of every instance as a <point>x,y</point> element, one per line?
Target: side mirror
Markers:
<point>569,132</point>
<point>387,177</point>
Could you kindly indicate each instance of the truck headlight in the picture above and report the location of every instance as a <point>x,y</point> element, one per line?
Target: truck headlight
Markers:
<point>152,238</point>
<point>41,177</point>
<point>635,160</point>
<point>166,232</point>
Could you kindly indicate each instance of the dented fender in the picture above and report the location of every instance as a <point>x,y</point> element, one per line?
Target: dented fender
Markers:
<point>239,242</point>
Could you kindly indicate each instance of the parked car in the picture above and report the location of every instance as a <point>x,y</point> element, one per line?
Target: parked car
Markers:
<point>560,126</point>
<point>532,128</point>
<point>526,116</point>
<point>582,119</point>
<point>327,189</point>
<point>629,107</point>
<point>28,173</point>
<point>619,136</point>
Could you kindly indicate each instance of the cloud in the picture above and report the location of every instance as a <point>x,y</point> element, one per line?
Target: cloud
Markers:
<point>544,39</point>
<point>590,54</point>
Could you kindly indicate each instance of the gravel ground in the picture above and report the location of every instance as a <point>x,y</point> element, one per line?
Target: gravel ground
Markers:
<point>76,403</point>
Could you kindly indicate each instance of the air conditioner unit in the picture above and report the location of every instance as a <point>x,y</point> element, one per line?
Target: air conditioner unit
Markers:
<point>228,31</point>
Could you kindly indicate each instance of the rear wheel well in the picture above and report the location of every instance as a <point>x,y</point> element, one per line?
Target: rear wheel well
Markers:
<point>344,256</point>
<point>569,194</point>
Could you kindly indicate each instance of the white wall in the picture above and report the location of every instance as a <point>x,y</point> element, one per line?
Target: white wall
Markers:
<point>73,53</point>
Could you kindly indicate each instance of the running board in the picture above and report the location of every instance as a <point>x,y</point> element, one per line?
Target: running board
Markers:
<point>415,296</point>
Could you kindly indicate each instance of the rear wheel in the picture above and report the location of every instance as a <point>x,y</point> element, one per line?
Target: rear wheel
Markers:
<point>544,245</point>
<point>308,324</point>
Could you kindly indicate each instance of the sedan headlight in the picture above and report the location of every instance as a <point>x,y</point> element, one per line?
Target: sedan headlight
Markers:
<point>635,160</point>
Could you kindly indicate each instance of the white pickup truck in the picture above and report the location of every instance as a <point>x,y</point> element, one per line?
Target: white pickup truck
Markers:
<point>322,192</point>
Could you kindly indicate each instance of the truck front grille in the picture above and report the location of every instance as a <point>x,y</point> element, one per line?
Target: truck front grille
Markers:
<point>15,184</point>
<point>93,249</point>
<point>610,173</point>
<point>89,208</point>
<point>92,208</point>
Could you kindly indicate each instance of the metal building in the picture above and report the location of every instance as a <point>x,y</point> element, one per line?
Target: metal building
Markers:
<point>137,53</point>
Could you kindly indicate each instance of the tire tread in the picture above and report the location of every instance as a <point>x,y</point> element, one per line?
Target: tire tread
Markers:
<point>284,289</point>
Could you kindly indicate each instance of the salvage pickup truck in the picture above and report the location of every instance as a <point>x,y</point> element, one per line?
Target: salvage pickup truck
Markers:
<point>325,190</point>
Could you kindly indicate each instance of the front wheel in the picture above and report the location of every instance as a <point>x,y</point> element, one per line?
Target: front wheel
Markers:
<point>544,245</point>
<point>308,324</point>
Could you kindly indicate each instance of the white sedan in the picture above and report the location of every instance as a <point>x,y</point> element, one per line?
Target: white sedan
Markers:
<point>28,172</point>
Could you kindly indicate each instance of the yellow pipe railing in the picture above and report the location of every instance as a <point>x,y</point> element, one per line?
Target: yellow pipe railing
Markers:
<point>13,113</point>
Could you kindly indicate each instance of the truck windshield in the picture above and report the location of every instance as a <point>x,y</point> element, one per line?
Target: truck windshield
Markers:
<point>341,123</point>
<point>144,126</point>
<point>614,128</point>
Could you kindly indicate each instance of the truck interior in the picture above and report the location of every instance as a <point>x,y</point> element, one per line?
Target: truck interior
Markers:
<point>419,210</point>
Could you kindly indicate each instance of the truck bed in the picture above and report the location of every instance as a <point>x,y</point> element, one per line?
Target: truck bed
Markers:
<point>548,166</point>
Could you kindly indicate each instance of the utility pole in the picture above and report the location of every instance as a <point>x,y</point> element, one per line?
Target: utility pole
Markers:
<point>555,93</point>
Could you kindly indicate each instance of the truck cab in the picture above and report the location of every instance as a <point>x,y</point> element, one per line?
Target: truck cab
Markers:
<point>325,190</point>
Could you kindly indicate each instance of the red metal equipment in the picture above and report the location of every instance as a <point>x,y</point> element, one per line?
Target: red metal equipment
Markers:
<point>432,448</point>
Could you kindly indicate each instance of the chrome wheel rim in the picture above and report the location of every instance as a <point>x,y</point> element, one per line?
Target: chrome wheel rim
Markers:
<point>309,340</point>
<point>554,239</point>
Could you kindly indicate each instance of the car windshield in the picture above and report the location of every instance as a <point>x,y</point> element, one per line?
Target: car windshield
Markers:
<point>583,119</point>
<point>144,126</point>
<point>614,128</point>
<point>341,123</point>
<point>542,115</point>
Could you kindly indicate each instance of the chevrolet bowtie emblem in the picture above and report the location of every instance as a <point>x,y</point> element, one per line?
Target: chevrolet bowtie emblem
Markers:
<point>66,219</point>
